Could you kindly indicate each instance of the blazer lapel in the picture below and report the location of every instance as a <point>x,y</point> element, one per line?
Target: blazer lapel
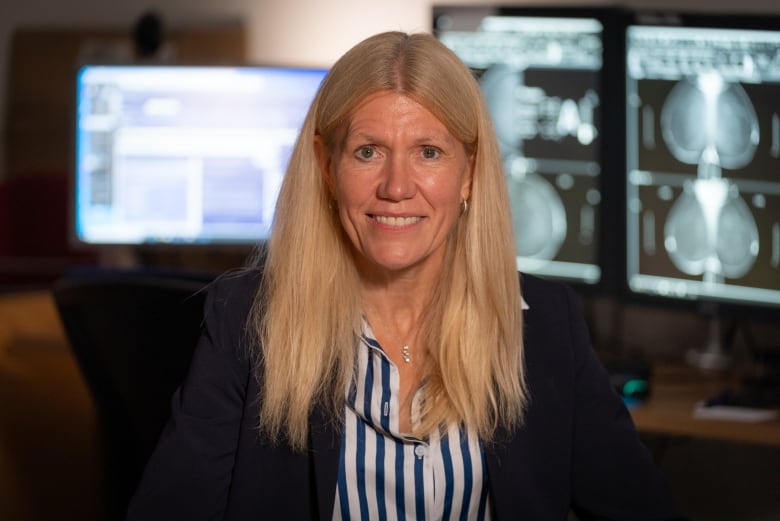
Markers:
<point>494,454</point>
<point>510,483</point>
<point>326,447</point>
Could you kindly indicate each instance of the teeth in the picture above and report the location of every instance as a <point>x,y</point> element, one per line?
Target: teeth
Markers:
<point>396,221</point>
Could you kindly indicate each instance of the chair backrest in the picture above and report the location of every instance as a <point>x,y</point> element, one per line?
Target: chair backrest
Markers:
<point>132,334</point>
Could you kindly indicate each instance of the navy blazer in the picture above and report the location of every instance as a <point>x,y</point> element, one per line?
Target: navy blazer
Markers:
<point>577,448</point>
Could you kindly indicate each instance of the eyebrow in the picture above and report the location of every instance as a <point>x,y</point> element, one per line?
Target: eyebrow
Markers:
<point>428,138</point>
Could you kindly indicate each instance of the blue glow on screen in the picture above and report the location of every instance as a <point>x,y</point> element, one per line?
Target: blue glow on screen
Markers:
<point>184,155</point>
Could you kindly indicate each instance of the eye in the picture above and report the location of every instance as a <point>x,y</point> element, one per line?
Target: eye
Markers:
<point>430,152</point>
<point>366,152</point>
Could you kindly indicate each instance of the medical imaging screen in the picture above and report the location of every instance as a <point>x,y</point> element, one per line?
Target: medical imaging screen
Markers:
<point>703,163</point>
<point>171,154</point>
<point>540,77</point>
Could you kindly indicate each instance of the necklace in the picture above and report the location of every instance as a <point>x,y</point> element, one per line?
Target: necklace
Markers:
<point>405,354</point>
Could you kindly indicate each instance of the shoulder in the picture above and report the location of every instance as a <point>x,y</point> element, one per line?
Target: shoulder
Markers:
<point>546,297</point>
<point>229,301</point>
<point>554,328</point>
<point>235,290</point>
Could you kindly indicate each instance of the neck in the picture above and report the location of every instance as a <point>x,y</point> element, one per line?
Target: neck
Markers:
<point>396,304</point>
<point>393,317</point>
<point>397,320</point>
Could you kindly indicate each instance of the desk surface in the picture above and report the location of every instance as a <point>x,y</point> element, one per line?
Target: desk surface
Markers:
<point>43,474</point>
<point>675,391</point>
<point>30,316</point>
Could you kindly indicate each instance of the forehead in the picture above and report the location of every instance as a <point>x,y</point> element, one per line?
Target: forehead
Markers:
<point>389,110</point>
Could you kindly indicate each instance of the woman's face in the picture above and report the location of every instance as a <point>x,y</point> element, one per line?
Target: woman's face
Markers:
<point>398,177</point>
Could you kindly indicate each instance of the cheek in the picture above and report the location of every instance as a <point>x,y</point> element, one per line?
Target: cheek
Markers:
<point>351,190</point>
<point>446,189</point>
<point>353,186</point>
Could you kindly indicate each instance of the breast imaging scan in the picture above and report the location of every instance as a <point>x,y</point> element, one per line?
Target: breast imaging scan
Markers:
<point>540,79</point>
<point>703,162</point>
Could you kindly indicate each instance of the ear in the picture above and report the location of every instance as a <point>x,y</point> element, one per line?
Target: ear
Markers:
<point>465,189</point>
<point>323,160</point>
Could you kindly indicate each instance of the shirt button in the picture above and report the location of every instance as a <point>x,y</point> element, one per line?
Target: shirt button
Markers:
<point>420,451</point>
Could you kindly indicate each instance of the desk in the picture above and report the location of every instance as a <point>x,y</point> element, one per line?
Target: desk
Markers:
<point>48,425</point>
<point>675,390</point>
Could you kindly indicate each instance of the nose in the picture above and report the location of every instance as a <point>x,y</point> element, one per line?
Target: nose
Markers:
<point>397,180</point>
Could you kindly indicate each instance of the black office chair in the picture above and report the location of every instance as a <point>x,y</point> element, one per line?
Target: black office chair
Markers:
<point>132,334</point>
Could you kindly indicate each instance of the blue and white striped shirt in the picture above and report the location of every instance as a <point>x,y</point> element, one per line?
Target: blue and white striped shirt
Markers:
<point>387,475</point>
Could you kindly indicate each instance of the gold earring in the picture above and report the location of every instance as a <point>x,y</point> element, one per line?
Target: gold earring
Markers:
<point>464,206</point>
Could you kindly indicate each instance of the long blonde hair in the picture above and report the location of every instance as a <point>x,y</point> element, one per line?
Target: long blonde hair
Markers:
<point>307,313</point>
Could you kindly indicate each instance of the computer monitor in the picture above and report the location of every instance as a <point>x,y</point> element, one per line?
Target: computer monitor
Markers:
<point>703,160</point>
<point>183,155</point>
<point>703,167</point>
<point>542,73</point>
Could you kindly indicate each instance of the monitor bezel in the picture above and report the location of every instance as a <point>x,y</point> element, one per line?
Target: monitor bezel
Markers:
<point>129,249</point>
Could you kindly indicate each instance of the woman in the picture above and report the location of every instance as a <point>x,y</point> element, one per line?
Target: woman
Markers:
<point>380,362</point>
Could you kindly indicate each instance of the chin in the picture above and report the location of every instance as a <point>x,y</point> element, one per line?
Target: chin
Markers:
<point>394,260</point>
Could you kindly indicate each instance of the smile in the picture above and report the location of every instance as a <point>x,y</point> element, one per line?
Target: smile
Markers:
<point>396,221</point>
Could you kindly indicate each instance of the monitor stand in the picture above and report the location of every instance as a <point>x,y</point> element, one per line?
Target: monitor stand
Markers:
<point>712,357</point>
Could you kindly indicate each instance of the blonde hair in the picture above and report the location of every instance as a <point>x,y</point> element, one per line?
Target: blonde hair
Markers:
<point>307,314</point>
